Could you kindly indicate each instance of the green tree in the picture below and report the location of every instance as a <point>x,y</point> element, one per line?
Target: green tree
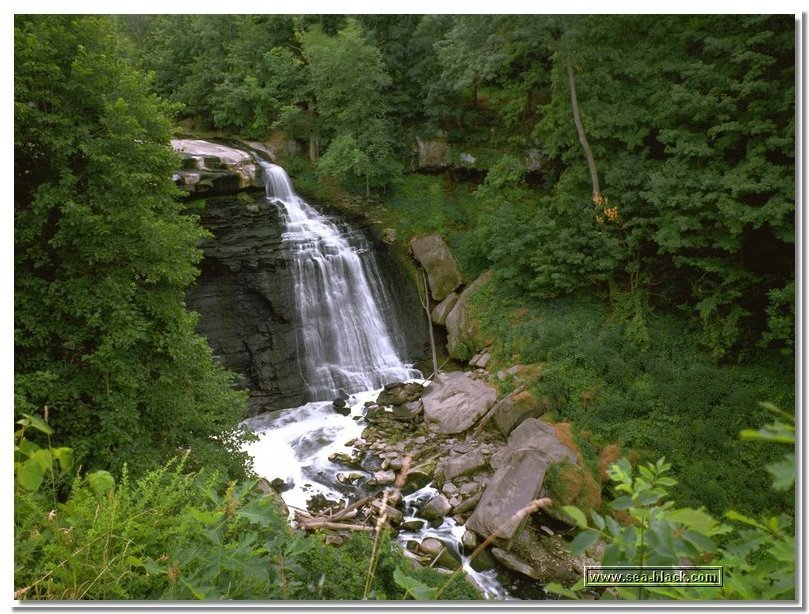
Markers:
<point>103,253</point>
<point>691,120</point>
<point>349,84</point>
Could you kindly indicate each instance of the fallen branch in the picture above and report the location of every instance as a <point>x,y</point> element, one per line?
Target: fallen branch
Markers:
<point>494,408</point>
<point>311,525</point>
<point>357,504</point>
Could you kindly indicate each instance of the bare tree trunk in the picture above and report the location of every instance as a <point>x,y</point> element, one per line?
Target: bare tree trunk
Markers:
<point>313,149</point>
<point>580,128</point>
<point>425,302</point>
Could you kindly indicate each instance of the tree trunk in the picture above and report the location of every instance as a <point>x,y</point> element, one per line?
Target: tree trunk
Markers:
<point>580,128</point>
<point>313,150</point>
<point>426,304</point>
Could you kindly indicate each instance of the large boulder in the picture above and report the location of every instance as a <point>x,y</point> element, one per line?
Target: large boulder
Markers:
<point>514,410</point>
<point>215,168</point>
<point>521,468</point>
<point>462,341</point>
<point>433,154</point>
<point>442,310</point>
<point>434,255</point>
<point>454,402</point>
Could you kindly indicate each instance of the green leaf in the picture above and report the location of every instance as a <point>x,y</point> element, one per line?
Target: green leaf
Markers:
<point>29,474</point>
<point>65,458</point>
<point>37,423</point>
<point>256,512</point>
<point>702,543</point>
<point>777,431</point>
<point>101,481</point>
<point>206,517</point>
<point>699,520</point>
<point>152,567</point>
<point>577,515</point>
<point>411,586</point>
<point>622,503</point>
<point>28,448</point>
<point>734,515</point>
<point>44,458</point>
<point>783,550</point>
<point>583,541</point>
<point>598,519</point>
<point>783,472</point>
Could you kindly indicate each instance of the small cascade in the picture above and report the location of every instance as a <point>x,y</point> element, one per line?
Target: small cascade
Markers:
<point>348,344</point>
<point>347,338</point>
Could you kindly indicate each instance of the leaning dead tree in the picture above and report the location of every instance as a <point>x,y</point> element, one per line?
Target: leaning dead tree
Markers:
<point>425,302</point>
<point>591,163</point>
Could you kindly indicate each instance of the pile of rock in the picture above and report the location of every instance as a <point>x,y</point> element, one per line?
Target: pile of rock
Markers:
<point>481,481</point>
<point>213,168</point>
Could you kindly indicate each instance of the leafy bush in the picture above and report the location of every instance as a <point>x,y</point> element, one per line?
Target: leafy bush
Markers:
<point>178,535</point>
<point>757,556</point>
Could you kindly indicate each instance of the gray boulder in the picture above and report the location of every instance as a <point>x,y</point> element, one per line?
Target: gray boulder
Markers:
<point>441,311</point>
<point>461,331</point>
<point>521,468</point>
<point>433,253</point>
<point>436,508</point>
<point>433,153</point>
<point>215,167</point>
<point>454,402</point>
<point>464,464</point>
<point>511,413</point>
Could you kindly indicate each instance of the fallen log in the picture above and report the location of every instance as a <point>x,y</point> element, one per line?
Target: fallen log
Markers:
<point>311,525</point>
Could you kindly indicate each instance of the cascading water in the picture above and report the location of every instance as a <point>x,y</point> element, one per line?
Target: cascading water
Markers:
<point>347,344</point>
<point>345,338</point>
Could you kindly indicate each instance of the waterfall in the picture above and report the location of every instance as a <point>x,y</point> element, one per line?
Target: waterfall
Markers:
<point>348,327</point>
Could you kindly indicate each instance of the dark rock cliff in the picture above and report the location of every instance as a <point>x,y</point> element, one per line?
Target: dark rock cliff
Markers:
<point>245,299</point>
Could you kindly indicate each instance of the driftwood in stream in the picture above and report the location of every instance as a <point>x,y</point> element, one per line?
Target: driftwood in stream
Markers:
<point>320,523</point>
<point>338,521</point>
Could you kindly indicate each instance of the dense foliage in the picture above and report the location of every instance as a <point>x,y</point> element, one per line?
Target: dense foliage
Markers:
<point>690,120</point>
<point>657,308</point>
<point>103,254</point>
<point>756,556</point>
<point>646,386</point>
<point>181,535</point>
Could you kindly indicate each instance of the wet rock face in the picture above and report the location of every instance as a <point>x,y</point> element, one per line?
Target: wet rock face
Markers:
<point>244,296</point>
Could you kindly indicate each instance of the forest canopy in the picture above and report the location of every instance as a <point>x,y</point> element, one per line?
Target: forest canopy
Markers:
<point>689,118</point>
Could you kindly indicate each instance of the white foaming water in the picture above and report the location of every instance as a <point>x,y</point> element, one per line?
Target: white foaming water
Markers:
<point>294,445</point>
<point>450,534</point>
<point>345,337</point>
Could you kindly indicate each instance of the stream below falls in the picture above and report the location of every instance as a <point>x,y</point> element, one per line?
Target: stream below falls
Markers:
<point>349,347</point>
<point>294,446</point>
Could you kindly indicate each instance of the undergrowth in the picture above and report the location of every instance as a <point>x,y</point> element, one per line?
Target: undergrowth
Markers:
<point>654,393</point>
<point>178,535</point>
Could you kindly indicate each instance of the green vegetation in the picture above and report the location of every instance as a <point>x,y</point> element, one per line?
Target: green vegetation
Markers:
<point>756,554</point>
<point>651,287</point>
<point>645,385</point>
<point>103,254</point>
<point>175,534</point>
